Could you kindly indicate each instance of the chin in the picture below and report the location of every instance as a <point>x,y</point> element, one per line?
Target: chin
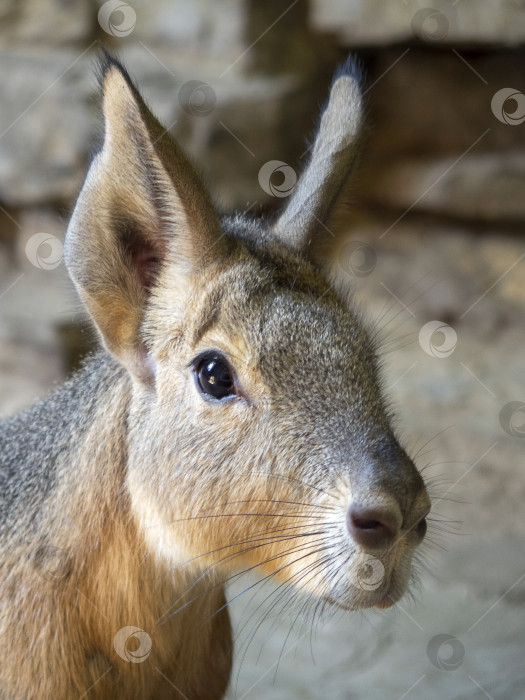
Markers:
<point>351,598</point>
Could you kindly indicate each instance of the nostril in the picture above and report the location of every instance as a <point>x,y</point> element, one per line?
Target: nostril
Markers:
<point>372,526</point>
<point>421,528</point>
<point>364,524</point>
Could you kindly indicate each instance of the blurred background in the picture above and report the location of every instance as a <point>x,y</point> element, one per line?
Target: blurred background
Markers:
<point>435,253</point>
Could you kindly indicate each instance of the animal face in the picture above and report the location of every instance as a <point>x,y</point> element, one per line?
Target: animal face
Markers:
<point>266,427</point>
<point>259,439</point>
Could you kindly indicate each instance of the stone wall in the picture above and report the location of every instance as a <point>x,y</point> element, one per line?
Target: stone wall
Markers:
<point>239,83</point>
<point>234,96</point>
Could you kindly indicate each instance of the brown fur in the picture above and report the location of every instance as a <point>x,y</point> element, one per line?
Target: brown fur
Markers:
<point>129,498</point>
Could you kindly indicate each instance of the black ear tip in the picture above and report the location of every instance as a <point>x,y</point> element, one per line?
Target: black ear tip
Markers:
<point>352,67</point>
<point>105,62</point>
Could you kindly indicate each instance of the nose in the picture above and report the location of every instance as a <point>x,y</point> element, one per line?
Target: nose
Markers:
<point>374,526</point>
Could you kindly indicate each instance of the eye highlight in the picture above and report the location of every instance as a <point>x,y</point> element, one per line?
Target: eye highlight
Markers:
<point>214,376</point>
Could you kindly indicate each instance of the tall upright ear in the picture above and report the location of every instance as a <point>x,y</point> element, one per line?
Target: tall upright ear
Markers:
<point>332,157</point>
<point>142,206</point>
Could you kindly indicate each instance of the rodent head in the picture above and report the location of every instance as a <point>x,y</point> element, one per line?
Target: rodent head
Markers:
<point>266,441</point>
<point>259,438</point>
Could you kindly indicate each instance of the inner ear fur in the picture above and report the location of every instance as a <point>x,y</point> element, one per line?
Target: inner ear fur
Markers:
<point>142,206</point>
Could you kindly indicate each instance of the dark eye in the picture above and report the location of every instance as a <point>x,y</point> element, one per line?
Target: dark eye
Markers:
<point>214,377</point>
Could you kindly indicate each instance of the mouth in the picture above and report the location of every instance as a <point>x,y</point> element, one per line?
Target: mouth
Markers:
<point>386,600</point>
<point>385,596</point>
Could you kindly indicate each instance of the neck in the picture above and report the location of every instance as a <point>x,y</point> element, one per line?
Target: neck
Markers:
<point>96,566</point>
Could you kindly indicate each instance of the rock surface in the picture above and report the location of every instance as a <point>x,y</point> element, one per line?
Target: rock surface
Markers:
<point>46,125</point>
<point>239,84</point>
<point>440,142</point>
<point>235,97</point>
<point>437,22</point>
<point>45,23</point>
